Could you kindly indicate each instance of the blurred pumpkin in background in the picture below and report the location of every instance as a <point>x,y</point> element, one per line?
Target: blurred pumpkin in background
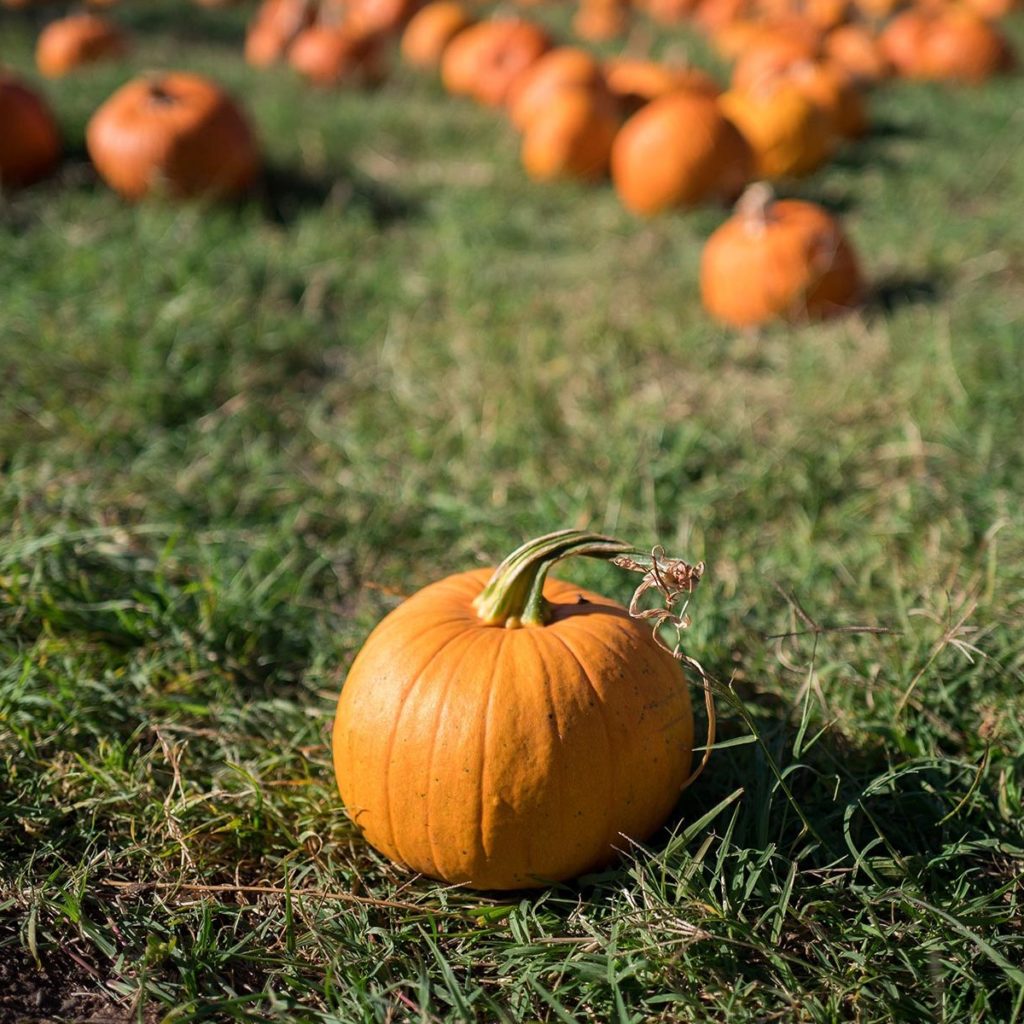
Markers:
<point>679,150</point>
<point>176,134</point>
<point>69,43</point>
<point>784,259</point>
<point>30,143</point>
<point>431,29</point>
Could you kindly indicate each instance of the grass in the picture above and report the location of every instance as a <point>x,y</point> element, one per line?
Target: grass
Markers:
<point>230,438</point>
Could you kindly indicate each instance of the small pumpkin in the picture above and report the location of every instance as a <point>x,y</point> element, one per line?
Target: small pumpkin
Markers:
<point>175,133</point>
<point>834,92</point>
<point>272,30</point>
<point>637,81</point>
<point>565,67</point>
<point>784,260</point>
<point>598,20</point>
<point>30,141</point>
<point>993,10</point>
<point>384,17</point>
<point>964,47</point>
<point>856,50</point>
<point>770,58</point>
<point>69,43</point>
<point>670,12</point>
<point>329,56</point>
<point>571,136</point>
<point>679,151</point>
<point>484,60</point>
<point>790,134</point>
<point>945,43</point>
<point>504,731</point>
<point>430,30</point>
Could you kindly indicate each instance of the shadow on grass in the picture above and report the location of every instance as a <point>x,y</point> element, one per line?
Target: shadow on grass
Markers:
<point>286,194</point>
<point>898,290</point>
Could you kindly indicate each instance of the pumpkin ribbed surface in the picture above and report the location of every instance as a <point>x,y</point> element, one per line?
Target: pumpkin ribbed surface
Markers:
<point>507,758</point>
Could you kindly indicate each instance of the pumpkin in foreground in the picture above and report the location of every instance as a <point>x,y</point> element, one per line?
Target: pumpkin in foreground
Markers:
<point>503,730</point>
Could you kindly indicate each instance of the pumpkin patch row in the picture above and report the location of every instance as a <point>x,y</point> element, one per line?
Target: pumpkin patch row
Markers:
<point>666,135</point>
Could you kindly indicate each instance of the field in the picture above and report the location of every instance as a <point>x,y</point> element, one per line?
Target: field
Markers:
<point>232,438</point>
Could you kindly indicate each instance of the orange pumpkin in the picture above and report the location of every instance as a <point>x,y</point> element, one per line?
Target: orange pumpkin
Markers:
<point>713,15</point>
<point>963,47</point>
<point>506,731</point>
<point>275,26</point>
<point>833,91</point>
<point>329,56</point>
<point>368,17</point>
<point>858,52</point>
<point>769,58</point>
<point>679,151</point>
<point>29,142</point>
<point>734,38</point>
<point>637,81</point>
<point>904,39</point>
<point>598,21</point>
<point>69,43</point>
<point>173,133</point>
<point>566,67</point>
<point>571,136</point>
<point>430,30</point>
<point>790,135</point>
<point>945,43</point>
<point>485,59</point>
<point>772,260</point>
<point>670,12</point>
<point>993,10</point>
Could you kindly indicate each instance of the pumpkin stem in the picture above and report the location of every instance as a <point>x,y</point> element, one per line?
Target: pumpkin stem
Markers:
<point>514,596</point>
<point>754,206</point>
<point>158,94</point>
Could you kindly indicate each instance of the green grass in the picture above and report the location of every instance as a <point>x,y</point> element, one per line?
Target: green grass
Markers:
<point>229,437</point>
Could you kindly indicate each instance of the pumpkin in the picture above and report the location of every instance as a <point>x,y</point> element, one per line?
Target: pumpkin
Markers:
<point>387,17</point>
<point>736,37</point>
<point>68,43</point>
<point>773,260</point>
<point>770,58</point>
<point>952,43</point>
<point>637,81</point>
<point>713,15</point>
<point>430,30</point>
<point>826,14</point>
<point>993,10</point>
<point>670,12</point>
<point>29,142</point>
<point>679,151</point>
<point>790,135</point>
<point>566,67</point>
<point>963,47</point>
<point>271,32</point>
<point>598,21</point>
<point>833,91</point>
<point>484,60</point>
<point>174,133</point>
<point>903,41</point>
<point>329,56</point>
<point>506,731</point>
<point>571,136</point>
<point>858,52</point>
